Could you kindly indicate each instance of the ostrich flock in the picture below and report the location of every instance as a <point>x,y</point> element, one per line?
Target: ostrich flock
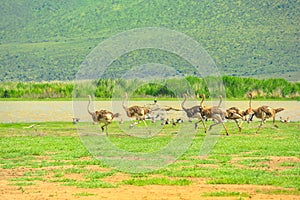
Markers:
<point>199,112</point>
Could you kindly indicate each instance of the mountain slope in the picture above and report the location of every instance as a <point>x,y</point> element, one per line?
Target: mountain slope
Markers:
<point>48,40</point>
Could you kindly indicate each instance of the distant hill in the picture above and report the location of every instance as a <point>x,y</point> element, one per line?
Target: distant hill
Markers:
<point>48,40</point>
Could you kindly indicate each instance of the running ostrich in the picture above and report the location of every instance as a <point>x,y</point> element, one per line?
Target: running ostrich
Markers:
<point>101,116</point>
<point>194,112</point>
<point>215,113</point>
<point>264,113</point>
<point>235,114</point>
<point>136,112</point>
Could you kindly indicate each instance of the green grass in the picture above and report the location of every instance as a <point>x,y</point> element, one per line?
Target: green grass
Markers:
<point>290,164</point>
<point>98,175</point>
<point>226,194</point>
<point>57,153</point>
<point>90,184</point>
<point>157,181</point>
<point>279,192</point>
<point>24,183</point>
<point>84,194</point>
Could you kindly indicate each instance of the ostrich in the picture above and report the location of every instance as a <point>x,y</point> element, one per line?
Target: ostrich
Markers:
<point>265,112</point>
<point>194,112</point>
<point>235,114</point>
<point>101,116</point>
<point>137,112</point>
<point>214,113</point>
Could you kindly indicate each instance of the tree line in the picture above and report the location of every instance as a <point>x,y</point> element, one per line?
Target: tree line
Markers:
<point>235,87</point>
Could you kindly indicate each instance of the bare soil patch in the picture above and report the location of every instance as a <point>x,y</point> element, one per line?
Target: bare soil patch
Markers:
<point>55,190</point>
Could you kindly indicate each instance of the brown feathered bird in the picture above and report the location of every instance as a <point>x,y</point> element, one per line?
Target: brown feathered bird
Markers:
<point>215,113</point>
<point>135,112</point>
<point>264,113</point>
<point>194,112</point>
<point>236,114</point>
<point>102,116</point>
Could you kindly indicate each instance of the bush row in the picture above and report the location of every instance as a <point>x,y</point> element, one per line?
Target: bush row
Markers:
<point>235,87</point>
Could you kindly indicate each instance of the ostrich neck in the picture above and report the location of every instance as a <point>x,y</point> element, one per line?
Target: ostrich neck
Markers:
<point>88,106</point>
<point>250,102</point>
<point>182,104</point>
<point>201,103</point>
<point>220,101</point>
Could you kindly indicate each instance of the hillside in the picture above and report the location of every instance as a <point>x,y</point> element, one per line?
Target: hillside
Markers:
<point>48,40</point>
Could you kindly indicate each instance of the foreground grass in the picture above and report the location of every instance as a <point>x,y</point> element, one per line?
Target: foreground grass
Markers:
<point>53,152</point>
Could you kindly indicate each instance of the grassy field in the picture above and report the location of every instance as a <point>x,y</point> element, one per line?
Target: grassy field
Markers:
<point>52,153</point>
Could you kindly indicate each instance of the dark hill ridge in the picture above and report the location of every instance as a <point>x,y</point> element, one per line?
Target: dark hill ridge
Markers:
<point>48,40</point>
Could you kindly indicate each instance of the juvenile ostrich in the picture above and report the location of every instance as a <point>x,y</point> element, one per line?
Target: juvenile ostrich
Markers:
<point>264,113</point>
<point>215,113</point>
<point>101,116</point>
<point>136,112</point>
<point>194,112</point>
<point>235,114</point>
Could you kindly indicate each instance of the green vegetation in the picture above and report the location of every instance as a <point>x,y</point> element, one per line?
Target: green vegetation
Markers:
<point>272,192</point>
<point>54,153</point>
<point>90,184</point>
<point>84,194</point>
<point>226,194</point>
<point>157,181</point>
<point>235,88</point>
<point>48,40</point>
<point>34,90</point>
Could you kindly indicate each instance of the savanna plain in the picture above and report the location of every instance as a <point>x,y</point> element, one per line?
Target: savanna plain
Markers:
<point>47,160</point>
<point>43,45</point>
